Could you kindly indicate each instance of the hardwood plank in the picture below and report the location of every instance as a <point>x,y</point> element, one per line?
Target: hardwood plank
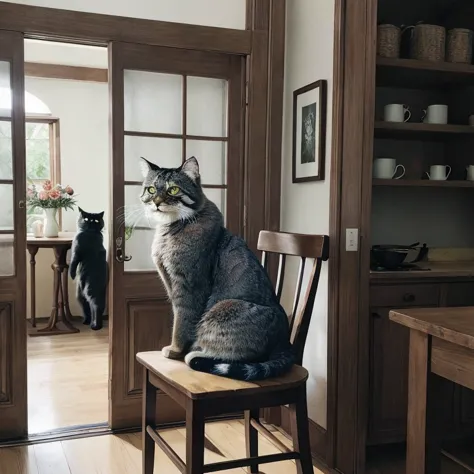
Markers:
<point>18,461</point>
<point>68,379</point>
<point>50,458</point>
<point>455,325</point>
<point>410,130</point>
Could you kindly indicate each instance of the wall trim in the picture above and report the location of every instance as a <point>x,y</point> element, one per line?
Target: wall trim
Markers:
<point>59,71</point>
<point>94,28</point>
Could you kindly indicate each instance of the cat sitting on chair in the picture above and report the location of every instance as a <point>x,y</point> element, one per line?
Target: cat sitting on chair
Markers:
<point>227,320</point>
<point>88,262</point>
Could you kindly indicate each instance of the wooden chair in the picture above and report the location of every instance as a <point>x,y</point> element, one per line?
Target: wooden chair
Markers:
<point>205,395</point>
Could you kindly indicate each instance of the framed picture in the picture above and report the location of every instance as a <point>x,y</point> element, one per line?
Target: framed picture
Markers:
<point>309,132</point>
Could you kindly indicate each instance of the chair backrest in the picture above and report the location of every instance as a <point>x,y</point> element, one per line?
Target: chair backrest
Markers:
<point>304,246</point>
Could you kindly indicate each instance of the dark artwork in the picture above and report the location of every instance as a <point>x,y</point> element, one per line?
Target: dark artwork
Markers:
<point>308,133</point>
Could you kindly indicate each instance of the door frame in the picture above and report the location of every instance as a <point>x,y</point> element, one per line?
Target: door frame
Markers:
<point>262,44</point>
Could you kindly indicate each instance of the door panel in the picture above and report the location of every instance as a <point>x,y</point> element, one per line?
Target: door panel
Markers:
<point>13,393</point>
<point>167,105</point>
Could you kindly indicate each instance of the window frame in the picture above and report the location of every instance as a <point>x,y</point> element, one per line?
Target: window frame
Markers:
<point>54,149</point>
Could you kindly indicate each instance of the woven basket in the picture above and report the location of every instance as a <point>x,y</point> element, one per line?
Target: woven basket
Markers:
<point>428,43</point>
<point>388,41</point>
<point>459,46</point>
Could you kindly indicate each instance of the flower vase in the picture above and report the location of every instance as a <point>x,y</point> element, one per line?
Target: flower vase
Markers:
<point>51,227</point>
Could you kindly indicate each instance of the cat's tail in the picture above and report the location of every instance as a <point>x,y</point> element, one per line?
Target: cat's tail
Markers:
<point>279,362</point>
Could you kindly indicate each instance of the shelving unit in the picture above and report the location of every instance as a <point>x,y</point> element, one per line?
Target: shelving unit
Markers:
<point>423,183</point>
<point>413,208</point>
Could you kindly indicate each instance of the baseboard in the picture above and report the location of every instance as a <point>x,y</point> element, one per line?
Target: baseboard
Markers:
<point>45,319</point>
<point>317,435</point>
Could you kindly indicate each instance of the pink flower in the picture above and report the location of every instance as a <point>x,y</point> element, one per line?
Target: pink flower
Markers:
<point>30,193</point>
<point>43,195</point>
<point>54,194</point>
<point>47,186</point>
<point>69,190</point>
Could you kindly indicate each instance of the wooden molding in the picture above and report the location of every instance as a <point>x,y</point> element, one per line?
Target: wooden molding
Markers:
<point>73,73</point>
<point>98,29</point>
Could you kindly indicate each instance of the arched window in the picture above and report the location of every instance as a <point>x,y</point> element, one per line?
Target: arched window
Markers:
<point>33,105</point>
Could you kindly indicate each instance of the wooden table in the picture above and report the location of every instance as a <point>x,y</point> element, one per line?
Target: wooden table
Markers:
<point>60,321</point>
<point>441,347</point>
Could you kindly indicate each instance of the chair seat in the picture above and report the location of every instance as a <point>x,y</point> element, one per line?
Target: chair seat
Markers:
<point>198,385</point>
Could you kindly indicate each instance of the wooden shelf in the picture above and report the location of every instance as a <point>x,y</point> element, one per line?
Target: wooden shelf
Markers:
<point>423,183</point>
<point>420,131</point>
<point>414,74</point>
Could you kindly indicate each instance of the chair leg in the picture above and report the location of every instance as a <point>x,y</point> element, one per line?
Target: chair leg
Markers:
<point>251,438</point>
<point>300,433</point>
<point>148,419</point>
<point>194,438</point>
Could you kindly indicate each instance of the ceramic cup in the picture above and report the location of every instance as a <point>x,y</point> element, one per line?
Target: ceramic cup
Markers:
<point>386,168</point>
<point>396,113</point>
<point>37,228</point>
<point>436,114</point>
<point>470,172</point>
<point>439,172</point>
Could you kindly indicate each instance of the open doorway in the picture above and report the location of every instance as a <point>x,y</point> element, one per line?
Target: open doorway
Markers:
<point>67,144</point>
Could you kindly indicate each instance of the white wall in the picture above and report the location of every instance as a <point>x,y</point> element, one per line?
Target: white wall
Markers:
<point>221,13</point>
<point>305,206</point>
<point>82,109</point>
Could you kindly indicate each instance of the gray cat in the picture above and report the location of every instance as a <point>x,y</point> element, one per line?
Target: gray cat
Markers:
<point>227,320</point>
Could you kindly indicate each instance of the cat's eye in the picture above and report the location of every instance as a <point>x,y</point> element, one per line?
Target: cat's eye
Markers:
<point>151,189</point>
<point>96,221</point>
<point>173,190</point>
<point>86,219</point>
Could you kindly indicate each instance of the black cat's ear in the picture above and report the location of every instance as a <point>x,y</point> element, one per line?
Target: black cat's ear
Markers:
<point>101,214</point>
<point>146,166</point>
<point>81,211</point>
<point>191,168</point>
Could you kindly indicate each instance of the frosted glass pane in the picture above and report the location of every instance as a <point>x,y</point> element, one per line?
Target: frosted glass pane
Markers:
<point>206,107</point>
<point>134,213</point>
<point>165,152</point>
<point>6,155</point>
<point>212,158</point>
<point>6,198</point>
<point>138,246</point>
<point>153,102</point>
<point>7,266</point>
<point>219,198</point>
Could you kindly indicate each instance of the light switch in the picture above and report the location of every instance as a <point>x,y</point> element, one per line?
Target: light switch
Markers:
<point>352,240</point>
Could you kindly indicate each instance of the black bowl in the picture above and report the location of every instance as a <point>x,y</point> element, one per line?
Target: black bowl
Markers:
<point>389,259</point>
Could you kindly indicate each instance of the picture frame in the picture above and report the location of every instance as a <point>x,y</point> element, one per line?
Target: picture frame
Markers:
<point>309,132</point>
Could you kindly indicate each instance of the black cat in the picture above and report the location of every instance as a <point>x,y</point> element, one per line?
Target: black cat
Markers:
<point>88,260</point>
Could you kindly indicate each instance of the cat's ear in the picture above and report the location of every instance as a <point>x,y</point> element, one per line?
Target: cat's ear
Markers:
<point>191,168</point>
<point>146,166</point>
<point>81,211</point>
<point>101,214</point>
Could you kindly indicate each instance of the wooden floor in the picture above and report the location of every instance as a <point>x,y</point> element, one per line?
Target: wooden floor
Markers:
<point>67,379</point>
<point>122,454</point>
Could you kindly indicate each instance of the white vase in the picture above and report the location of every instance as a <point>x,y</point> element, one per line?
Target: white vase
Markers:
<point>51,227</point>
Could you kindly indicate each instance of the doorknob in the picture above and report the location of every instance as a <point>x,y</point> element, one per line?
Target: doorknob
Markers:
<point>119,254</point>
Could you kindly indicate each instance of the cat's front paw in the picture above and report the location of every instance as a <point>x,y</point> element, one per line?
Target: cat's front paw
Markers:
<point>171,352</point>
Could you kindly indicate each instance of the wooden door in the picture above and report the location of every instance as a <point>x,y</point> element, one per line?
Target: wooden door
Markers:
<point>166,105</point>
<point>13,393</point>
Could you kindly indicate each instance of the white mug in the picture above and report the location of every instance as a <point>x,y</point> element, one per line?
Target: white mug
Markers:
<point>37,228</point>
<point>439,172</point>
<point>470,172</point>
<point>436,114</point>
<point>386,168</point>
<point>471,120</point>
<point>396,113</point>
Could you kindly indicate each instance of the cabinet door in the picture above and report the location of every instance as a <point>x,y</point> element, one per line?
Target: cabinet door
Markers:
<point>389,381</point>
<point>389,344</point>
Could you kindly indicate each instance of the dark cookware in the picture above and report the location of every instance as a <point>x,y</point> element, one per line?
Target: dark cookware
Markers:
<point>392,257</point>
